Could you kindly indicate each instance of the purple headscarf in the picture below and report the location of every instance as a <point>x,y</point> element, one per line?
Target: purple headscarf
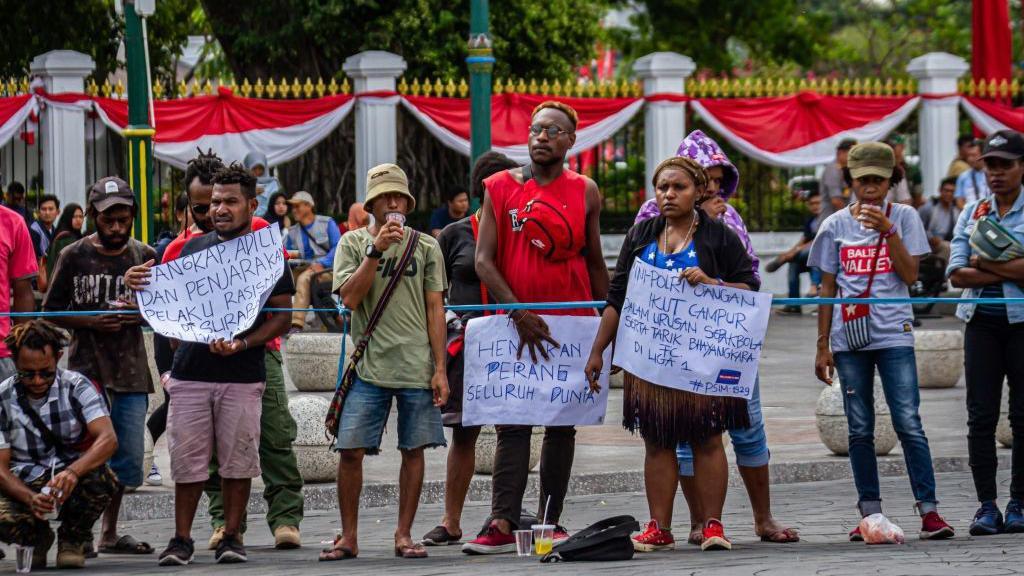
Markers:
<point>700,147</point>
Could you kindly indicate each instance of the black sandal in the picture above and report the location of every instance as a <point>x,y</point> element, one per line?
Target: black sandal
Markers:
<point>440,536</point>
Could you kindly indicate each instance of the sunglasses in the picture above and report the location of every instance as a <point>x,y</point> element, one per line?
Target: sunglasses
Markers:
<point>552,131</point>
<point>31,374</point>
<point>200,208</point>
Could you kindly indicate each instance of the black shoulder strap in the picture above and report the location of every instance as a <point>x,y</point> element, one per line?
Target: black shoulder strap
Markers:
<point>49,438</point>
<point>527,173</point>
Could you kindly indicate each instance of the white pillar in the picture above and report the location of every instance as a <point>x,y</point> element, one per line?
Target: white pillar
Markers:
<point>62,131</point>
<point>376,124</point>
<point>939,119</point>
<point>664,122</point>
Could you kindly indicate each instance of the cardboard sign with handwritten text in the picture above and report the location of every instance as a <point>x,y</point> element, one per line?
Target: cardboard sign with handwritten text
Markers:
<point>500,388</point>
<point>214,293</point>
<point>704,339</point>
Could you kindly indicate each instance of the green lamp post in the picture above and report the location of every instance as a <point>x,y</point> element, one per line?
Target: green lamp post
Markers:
<point>481,65</point>
<point>139,133</point>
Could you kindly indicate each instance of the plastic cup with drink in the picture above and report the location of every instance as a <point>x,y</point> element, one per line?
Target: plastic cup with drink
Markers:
<point>543,538</point>
<point>395,217</point>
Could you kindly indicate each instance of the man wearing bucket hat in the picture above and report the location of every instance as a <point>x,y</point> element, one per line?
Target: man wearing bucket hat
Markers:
<point>313,238</point>
<point>404,356</point>
<point>994,336</point>
<point>872,249</point>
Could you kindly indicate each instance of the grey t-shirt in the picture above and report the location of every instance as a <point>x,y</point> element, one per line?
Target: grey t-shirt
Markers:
<point>847,250</point>
<point>832,186</point>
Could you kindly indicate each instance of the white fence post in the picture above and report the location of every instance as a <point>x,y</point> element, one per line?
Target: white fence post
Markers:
<point>376,122</point>
<point>63,130</point>
<point>664,122</point>
<point>939,119</point>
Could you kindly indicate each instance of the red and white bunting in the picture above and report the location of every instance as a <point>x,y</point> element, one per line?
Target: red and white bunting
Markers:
<point>991,116</point>
<point>13,113</point>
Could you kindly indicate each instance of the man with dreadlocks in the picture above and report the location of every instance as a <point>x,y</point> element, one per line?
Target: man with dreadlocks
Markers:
<point>109,349</point>
<point>55,433</point>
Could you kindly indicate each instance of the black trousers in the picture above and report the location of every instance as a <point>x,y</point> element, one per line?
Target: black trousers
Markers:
<point>993,351</point>
<point>512,468</point>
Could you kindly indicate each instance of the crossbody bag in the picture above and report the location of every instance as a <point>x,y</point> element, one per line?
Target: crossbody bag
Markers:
<point>333,419</point>
<point>857,317</point>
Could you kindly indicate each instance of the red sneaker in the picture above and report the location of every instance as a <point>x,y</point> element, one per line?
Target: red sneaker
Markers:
<point>559,536</point>
<point>855,535</point>
<point>933,527</point>
<point>653,539</point>
<point>491,542</point>
<point>714,537</point>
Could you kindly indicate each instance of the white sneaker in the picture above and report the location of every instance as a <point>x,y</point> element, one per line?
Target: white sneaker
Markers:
<point>154,478</point>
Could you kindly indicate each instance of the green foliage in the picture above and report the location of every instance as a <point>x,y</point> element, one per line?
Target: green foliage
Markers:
<point>89,26</point>
<point>313,37</point>
<point>722,34</point>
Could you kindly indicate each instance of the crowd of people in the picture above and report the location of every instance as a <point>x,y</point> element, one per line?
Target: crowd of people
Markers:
<point>73,438</point>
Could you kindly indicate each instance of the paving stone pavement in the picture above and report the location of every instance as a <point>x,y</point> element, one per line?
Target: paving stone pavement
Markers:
<point>823,511</point>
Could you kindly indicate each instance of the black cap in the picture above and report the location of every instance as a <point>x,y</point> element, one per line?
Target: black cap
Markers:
<point>109,192</point>
<point>846,144</point>
<point>1008,144</point>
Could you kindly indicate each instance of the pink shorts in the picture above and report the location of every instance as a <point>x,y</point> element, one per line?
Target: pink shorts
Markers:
<point>200,414</point>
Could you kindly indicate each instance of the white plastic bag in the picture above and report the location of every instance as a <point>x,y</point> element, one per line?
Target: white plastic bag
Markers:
<point>877,529</point>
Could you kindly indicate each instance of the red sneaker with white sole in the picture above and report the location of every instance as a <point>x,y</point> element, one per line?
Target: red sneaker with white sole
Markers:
<point>714,537</point>
<point>653,539</point>
<point>855,535</point>
<point>933,527</point>
<point>491,541</point>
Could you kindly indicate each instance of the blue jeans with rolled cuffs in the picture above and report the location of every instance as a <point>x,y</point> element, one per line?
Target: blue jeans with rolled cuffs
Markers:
<point>750,444</point>
<point>897,368</point>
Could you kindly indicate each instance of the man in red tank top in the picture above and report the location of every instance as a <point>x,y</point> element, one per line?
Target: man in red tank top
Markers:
<point>539,241</point>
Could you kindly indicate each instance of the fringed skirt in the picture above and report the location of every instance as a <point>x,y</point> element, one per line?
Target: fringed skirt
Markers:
<point>667,416</point>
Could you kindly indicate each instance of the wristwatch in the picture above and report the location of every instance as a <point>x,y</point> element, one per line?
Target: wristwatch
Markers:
<point>372,252</point>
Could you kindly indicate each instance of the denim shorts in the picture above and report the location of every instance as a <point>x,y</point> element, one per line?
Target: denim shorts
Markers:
<point>366,411</point>
<point>128,416</point>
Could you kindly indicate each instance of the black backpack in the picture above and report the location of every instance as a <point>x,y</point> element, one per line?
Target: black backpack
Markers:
<point>606,541</point>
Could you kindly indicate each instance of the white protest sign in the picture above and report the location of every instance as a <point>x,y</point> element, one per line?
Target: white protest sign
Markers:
<point>704,339</point>
<point>501,389</point>
<point>214,293</point>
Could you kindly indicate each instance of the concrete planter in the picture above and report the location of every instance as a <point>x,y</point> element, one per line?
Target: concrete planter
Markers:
<point>1003,432</point>
<point>832,428</point>
<point>616,379</point>
<point>312,360</point>
<point>940,357</point>
<point>488,440</point>
<point>317,463</point>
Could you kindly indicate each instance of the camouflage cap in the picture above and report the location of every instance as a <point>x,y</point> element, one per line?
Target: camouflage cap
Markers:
<point>871,159</point>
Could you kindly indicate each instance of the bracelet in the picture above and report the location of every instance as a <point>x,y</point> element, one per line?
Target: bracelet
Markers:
<point>513,317</point>
<point>246,344</point>
<point>720,282</point>
<point>890,233</point>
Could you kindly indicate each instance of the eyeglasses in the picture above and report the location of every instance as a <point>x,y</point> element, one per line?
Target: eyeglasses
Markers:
<point>32,374</point>
<point>552,131</point>
<point>200,208</point>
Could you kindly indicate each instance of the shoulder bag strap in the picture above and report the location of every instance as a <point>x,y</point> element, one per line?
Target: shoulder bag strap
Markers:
<point>878,254</point>
<point>378,310</point>
<point>527,173</point>
<point>476,235</point>
<point>49,438</point>
<point>309,237</point>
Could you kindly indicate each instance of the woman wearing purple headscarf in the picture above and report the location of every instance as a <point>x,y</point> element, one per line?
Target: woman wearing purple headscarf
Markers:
<point>750,444</point>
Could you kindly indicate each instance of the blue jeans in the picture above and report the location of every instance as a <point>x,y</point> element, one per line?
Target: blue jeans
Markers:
<point>898,370</point>
<point>128,416</point>
<point>365,414</point>
<point>750,444</point>
<point>797,267</point>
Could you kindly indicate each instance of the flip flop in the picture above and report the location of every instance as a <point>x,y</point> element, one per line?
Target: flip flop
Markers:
<point>127,545</point>
<point>784,536</point>
<point>334,554</point>
<point>410,551</point>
